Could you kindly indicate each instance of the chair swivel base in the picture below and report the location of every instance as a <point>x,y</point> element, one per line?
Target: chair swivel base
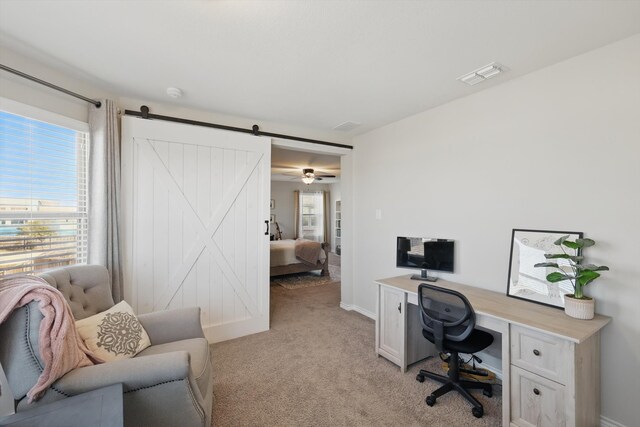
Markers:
<point>460,386</point>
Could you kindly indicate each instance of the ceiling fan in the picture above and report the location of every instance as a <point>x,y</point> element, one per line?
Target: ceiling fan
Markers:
<point>309,175</point>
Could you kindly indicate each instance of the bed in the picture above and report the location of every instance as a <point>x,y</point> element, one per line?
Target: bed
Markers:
<point>284,260</point>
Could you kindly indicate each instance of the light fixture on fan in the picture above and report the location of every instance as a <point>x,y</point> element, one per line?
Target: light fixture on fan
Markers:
<point>308,176</point>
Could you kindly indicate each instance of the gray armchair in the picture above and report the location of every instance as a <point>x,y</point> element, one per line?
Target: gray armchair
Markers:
<point>167,384</point>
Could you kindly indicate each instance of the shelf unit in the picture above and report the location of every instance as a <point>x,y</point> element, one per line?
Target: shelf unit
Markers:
<point>338,227</point>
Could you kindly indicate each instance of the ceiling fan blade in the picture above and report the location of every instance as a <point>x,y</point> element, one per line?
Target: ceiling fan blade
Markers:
<point>325,175</point>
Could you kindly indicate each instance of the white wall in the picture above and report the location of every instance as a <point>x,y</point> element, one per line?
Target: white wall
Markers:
<point>558,149</point>
<point>282,193</point>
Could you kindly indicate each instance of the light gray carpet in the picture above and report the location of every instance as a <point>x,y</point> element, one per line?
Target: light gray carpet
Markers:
<point>317,366</point>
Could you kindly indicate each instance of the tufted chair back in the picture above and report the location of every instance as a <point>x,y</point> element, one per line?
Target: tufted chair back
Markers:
<point>86,288</point>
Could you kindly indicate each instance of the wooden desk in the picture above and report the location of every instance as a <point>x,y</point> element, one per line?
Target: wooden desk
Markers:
<point>542,349</point>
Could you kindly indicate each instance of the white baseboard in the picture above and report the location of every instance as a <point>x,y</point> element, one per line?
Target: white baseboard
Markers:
<point>608,422</point>
<point>353,307</point>
<point>228,331</point>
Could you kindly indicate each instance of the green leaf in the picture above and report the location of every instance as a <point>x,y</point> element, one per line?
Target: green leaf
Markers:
<point>570,244</point>
<point>558,277</point>
<point>573,258</point>
<point>556,256</point>
<point>591,267</point>
<point>560,240</point>
<point>586,277</point>
<point>547,264</point>
<point>585,243</point>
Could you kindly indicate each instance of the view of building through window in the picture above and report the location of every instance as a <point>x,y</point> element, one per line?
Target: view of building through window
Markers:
<point>43,195</point>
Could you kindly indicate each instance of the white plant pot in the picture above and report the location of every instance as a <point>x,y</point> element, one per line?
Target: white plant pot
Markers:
<point>579,308</point>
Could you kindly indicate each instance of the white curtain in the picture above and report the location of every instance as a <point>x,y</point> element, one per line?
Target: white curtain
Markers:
<point>296,214</point>
<point>104,193</point>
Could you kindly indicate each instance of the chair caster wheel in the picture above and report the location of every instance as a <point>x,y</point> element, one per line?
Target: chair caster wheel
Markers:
<point>420,378</point>
<point>431,401</point>
<point>487,392</point>
<point>477,412</point>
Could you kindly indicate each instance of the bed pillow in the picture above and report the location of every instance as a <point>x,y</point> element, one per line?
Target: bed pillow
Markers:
<point>114,334</point>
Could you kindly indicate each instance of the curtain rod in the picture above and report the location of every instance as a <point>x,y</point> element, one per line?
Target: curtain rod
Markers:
<point>50,85</point>
<point>255,130</point>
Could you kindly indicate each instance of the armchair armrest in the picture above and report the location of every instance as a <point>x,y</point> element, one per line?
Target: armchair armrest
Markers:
<point>172,325</point>
<point>135,373</point>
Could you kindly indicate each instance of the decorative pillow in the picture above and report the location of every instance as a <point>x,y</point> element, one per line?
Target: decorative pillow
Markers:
<point>114,334</point>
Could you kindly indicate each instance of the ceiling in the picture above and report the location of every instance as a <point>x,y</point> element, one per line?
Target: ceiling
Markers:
<point>307,63</point>
<point>287,165</point>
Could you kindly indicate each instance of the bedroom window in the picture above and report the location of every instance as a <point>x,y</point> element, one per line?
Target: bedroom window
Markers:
<point>43,190</point>
<point>312,216</point>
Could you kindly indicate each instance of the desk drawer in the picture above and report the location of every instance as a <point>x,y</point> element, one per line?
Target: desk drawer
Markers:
<point>540,353</point>
<point>536,401</point>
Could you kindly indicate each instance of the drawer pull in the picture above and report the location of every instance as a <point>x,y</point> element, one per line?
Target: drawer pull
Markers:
<point>536,352</point>
<point>536,392</point>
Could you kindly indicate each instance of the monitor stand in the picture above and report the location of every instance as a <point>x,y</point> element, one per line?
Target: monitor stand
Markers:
<point>423,276</point>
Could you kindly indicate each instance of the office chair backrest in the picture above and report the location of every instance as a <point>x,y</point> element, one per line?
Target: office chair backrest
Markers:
<point>446,314</point>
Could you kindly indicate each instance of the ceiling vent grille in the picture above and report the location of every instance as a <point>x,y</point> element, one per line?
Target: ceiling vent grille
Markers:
<point>482,74</point>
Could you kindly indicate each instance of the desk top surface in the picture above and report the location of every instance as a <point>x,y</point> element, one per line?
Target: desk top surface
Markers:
<point>546,319</point>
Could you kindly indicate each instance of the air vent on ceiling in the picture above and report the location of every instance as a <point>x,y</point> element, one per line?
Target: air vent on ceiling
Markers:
<point>347,126</point>
<point>482,73</point>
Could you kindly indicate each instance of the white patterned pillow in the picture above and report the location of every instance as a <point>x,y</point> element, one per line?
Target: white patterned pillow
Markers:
<point>114,334</point>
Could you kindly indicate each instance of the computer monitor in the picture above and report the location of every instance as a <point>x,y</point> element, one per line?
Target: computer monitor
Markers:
<point>425,254</point>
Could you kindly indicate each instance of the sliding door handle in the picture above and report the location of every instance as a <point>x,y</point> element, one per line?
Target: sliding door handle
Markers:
<point>399,307</point>
<point>266,222</point>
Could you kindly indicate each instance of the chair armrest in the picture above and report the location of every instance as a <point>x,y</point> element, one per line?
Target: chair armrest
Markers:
<point>135,373</point>
<point>172,325</point>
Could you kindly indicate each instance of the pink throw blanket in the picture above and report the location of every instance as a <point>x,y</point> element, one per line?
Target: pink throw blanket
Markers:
<point>308,251</point>
<point>61,348</point>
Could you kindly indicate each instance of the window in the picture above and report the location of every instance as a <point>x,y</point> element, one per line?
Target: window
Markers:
<point>312,216</point>
<point>43,191</point>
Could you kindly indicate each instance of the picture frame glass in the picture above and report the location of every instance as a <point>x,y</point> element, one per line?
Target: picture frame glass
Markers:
<point>530,283</point>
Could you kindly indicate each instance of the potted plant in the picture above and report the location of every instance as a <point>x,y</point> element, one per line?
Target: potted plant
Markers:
<point>580,275</point>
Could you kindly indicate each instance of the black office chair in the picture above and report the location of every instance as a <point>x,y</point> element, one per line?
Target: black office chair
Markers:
<point>448,321</point>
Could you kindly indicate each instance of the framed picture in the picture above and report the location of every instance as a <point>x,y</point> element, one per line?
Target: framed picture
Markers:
<point>272,204</point>
<point>530,283</point>
<point>272,218</point>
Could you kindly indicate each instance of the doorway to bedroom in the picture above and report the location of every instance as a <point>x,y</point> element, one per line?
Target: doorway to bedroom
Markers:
<point>305,218</point>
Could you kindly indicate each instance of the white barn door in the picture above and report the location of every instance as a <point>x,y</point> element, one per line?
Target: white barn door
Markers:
<point>195,202</point>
